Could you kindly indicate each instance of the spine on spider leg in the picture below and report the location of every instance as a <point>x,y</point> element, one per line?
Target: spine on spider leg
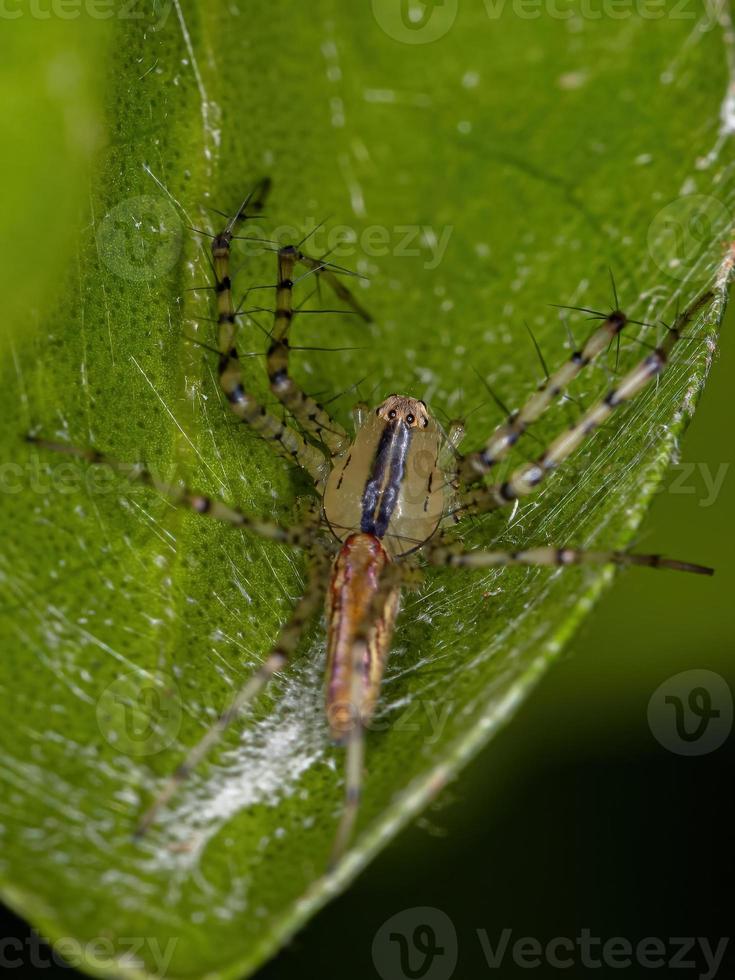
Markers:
<point>505,437</point>
<point>303,407</point>
<point>324,271</point>
<point>527,478</point>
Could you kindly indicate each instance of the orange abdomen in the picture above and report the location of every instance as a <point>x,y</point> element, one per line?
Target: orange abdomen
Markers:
<point>356,654</point>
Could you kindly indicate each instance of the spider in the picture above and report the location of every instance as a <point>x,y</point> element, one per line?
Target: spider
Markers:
<point>386,499</point>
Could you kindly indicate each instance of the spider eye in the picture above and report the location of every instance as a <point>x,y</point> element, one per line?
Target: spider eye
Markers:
<point>410,419</point>
<point>426,422</point>
<point>392,413</point>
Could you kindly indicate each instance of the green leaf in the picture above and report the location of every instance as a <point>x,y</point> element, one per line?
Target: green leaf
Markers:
<point>51,73</point>
<point>501,167</point>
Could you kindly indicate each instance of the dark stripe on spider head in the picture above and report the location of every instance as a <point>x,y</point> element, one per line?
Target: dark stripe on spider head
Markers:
<point>383,487</point>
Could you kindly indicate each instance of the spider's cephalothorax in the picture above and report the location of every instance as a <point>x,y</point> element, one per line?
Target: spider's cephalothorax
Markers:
<point>389,497</point>
<point>388,483</point>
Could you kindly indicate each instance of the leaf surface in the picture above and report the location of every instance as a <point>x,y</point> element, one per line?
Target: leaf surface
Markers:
<point>475,179</point>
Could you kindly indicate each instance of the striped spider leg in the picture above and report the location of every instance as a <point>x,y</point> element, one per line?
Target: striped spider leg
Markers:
<point>503,439</point>
<point>309,414</point>
<point>527,478</point>
<point>245,406</point>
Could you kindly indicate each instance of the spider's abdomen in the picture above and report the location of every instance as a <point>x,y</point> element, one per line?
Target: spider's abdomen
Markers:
<point>388,483</point>
<point>358,636</point>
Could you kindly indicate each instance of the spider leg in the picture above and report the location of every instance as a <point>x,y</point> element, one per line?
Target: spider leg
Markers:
<point>454,433</point>
<point>299,537</point>
<point>329,272</point>
<point>360,412</point>
<point>447,552</point>
<point>448,462</point>
<point>310,415</point>
<point>527,478</point>
<point>476,464</point>
<point>355,744</point>
<point>278,658</point>
<point>242,403</point>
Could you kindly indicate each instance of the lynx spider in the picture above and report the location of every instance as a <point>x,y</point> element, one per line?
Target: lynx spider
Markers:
<point>385,497</point>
